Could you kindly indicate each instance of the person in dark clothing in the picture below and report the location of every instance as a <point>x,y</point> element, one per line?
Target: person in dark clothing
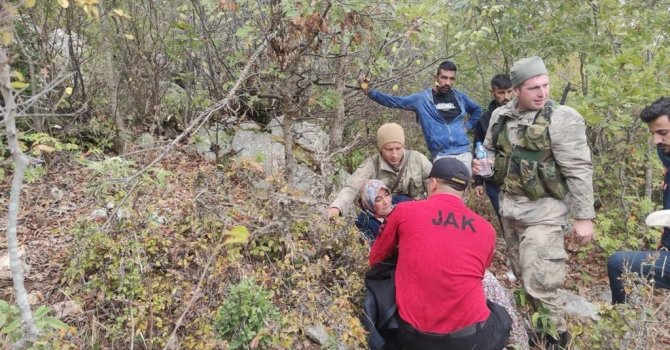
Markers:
<point>501,90</point>
<point>443,250</point>
<point>649,264</point>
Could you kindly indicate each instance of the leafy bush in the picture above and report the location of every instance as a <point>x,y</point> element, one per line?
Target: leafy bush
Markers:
<point>10,326</point>
<point>137,275</point>
<point>245,314</point>
<point>38,145</point>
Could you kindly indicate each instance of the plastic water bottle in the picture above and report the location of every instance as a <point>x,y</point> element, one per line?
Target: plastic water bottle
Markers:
<point>480,152</point>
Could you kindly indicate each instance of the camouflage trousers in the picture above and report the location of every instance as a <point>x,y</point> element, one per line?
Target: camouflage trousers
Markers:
<point>538,257</point>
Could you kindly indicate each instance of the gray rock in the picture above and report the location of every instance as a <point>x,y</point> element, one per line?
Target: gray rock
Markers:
<point>230,119</point>
<point>213,135</point>
<point>67,309</point>
<point>261,185</point>
<point>250,126</point>
<point>260,148</point>
<point>56,193</point>
<point>341,177</point>
<point>275,128</point>
<point>209,156</point>
<point>306,134</point>
<point>100,213</point>
<point>61,41</point>
<point>123,214</point>
<point>577,305</point>
<point>5,269</point>
<point>311,137</point>
<point>605,296</point>
<point>317,333</point>
<point>308,182</point>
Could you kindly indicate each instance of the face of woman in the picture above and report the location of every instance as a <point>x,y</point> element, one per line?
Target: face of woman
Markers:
<point>383,203</point>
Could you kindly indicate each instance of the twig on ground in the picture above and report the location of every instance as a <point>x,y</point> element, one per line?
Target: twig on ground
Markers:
<point>172,340</point>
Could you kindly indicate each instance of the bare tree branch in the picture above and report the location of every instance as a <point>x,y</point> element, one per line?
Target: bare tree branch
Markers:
<point>22,161</point>
<point>29,103</point>
<point>196,124</point>
<point>199,121</point>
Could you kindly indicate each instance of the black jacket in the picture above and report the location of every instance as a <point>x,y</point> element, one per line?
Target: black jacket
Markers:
<point>479,132</point>
<point>665,159</point>
<point>380,310</point>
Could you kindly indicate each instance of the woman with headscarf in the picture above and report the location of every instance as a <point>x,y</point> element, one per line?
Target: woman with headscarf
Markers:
<point>375,201</point>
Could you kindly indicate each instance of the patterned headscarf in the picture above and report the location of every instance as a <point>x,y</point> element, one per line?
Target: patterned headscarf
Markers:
<point>368,194</point>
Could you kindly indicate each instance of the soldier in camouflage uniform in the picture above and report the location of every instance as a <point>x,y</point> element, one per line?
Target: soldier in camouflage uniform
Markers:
<point>405,172</point>
<point>540,156</point>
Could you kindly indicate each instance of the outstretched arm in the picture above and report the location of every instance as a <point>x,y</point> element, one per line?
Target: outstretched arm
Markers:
<point>345,198</point>
<point>403,102</point>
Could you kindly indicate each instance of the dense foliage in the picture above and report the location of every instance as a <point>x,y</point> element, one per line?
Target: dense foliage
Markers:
<point>92,76</point>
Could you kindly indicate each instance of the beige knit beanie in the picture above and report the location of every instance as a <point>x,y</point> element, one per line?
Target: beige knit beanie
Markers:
<point>390,132</point>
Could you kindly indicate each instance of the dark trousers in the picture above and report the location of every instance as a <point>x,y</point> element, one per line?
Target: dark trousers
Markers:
<point>491,334</point>
<point>647,264</point>
<point>493,192</point>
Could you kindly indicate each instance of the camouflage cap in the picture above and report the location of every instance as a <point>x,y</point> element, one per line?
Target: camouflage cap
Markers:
<point>527,68</point>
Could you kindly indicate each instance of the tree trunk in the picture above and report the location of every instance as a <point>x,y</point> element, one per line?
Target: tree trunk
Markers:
<point>651,148</point>
<point>21,162</point>
<point>337,125</point>
<point>648,172</point>
<point>112,84</point>
<point>290,114</point>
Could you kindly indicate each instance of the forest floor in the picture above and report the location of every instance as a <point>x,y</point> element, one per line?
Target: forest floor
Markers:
<point>51,206</point>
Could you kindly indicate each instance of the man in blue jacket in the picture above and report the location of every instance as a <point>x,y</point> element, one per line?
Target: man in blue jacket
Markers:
<point>649,264</point>
<point>441,111</point>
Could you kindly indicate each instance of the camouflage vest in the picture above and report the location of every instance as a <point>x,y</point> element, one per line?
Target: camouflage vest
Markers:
<point>528,168</point>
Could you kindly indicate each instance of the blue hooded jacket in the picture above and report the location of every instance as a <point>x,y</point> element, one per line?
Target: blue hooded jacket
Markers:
<point>665,159</point>
<point>441,137</point>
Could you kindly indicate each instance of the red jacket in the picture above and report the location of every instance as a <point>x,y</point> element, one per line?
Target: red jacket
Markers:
<point>443,249</point>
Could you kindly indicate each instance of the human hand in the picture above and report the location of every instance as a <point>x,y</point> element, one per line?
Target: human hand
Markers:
<point>584,229</point>
<point>364,84</point>
<point>479,191</point>
<point>332,213</point>
<point>477,165</point>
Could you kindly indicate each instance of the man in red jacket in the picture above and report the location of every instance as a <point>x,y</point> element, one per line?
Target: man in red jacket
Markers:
<point>443,250</point>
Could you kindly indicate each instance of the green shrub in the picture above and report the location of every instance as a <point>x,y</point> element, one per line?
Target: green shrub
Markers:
<point>10,326</point>
<point>245,314</point>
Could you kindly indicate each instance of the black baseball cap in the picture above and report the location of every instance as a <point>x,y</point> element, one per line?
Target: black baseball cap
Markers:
<point>451,170</point>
